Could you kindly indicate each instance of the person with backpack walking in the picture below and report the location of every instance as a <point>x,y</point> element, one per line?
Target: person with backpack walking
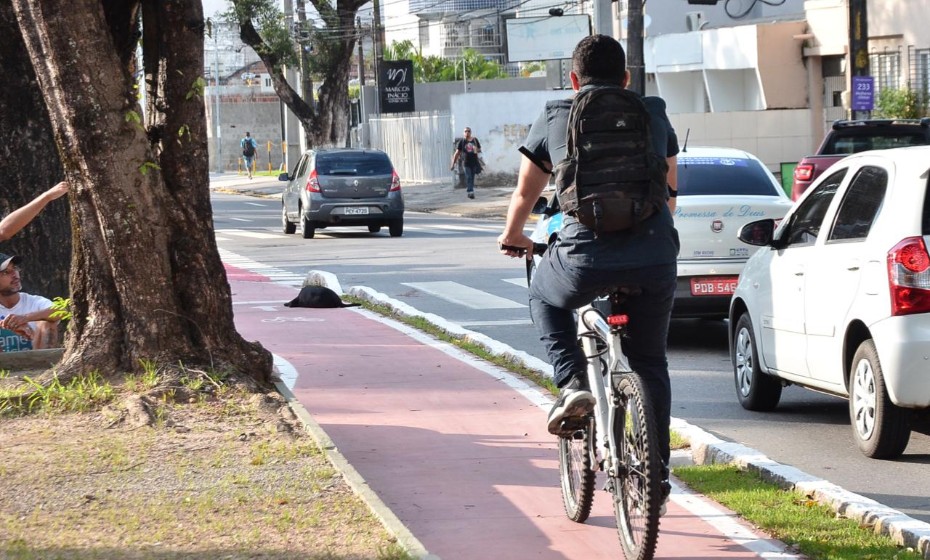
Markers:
<point>613,154</point>
<point>249,146</point>
<point>467,149</point>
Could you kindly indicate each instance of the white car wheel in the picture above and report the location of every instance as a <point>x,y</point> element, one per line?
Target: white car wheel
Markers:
<point>755,389</point>
<point>882,429</point>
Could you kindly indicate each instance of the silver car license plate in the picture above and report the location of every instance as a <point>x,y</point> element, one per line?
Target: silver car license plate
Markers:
<point>355,211</point>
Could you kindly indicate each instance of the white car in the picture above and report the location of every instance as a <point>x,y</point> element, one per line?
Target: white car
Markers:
<point>719,191</point>
<point>838,298</point>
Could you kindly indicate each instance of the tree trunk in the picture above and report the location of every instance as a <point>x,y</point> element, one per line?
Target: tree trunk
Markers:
<point>147,281</point>
<point>29,165</point>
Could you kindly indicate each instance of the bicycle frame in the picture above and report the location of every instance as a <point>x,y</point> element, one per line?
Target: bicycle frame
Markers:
<point>592,322</point>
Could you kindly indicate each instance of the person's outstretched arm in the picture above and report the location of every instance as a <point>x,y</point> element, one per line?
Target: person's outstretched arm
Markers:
<point>20,218</point>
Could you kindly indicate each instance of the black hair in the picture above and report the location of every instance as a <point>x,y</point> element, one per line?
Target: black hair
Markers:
<point>599,59</point>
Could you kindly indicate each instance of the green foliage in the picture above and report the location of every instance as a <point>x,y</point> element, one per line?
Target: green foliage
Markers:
<point>197,88</point>
<point>528,68</point>
<point>437,69</point>
<point>148,166</point>
<point>271,25</point>
<point>900,104</point>
<point>79,395</point>
<point>62,309</point>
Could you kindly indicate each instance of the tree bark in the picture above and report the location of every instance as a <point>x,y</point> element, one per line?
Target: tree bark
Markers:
<point>29,165</point>
<point>147,281</point>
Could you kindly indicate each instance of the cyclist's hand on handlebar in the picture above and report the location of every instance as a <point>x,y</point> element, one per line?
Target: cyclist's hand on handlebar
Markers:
<point>515,246</point>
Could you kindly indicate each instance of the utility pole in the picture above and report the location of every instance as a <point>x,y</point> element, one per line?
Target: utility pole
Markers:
<point>362,109</point>
<point>635,62</point>
<point>603,17</point>
<point>377,47</point>
<point>216,97</point>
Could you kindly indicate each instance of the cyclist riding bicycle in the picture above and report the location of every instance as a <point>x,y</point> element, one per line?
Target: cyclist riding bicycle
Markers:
<point>582,264</point>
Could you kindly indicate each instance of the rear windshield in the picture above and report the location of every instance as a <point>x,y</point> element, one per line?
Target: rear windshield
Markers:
<point>722,176</point>
<point>360,164</point>
<point>855,144</point>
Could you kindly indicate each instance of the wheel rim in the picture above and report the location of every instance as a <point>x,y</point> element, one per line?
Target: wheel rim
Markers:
<point>284,222</point>
<point>743,361</point>
<point>575,467</point>
<point>634,484</point>
<point>864,399</point>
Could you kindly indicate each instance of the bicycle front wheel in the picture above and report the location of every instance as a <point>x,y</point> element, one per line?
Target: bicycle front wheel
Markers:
<point>577,473</point>
<point>636,489</point>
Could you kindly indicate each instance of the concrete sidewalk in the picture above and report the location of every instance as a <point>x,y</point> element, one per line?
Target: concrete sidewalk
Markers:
<point>450,451</point>
<point>491,199</point>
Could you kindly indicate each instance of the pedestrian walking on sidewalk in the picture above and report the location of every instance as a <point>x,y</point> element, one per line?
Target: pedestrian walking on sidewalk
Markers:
<point>582,263</point>
<point>467,149</point>
<point>249,146</point>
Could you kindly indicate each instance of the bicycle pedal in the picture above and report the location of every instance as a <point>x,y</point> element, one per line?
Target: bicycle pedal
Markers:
<point>571,425</point>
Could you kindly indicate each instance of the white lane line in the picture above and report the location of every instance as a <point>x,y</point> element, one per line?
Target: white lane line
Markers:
<point>521,281</point>
<point>257,204</point>
<point>464,295</point>
<point>427,229</point>
<point>222,239</point>
<point>247,233</point>
<point>240,220</point>
<point>502,323</point>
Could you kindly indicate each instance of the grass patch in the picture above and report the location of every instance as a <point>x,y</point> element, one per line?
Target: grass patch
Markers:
<point>81,394</point>
<point>789,516</point>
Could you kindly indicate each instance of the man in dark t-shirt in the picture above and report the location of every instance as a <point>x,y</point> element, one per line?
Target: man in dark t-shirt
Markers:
<point>580,263</point>
<point>467,149</point>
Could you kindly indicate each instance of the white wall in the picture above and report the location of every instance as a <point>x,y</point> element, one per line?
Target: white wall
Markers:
<point>502,120</point>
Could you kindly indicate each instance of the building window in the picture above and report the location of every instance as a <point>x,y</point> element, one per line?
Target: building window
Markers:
<point>424,34</point>
<point>921,73</point>
<point>454,35</point>
<point>886,68</point>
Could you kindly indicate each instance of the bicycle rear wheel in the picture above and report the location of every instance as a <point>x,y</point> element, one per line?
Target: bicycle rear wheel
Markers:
<point>637,491</point>
<point>576,472</point>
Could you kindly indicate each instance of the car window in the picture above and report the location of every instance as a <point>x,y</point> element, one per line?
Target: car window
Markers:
<point>860,204</point>
<point>856,144</point>
<point>302,166</point>
<point>804,224</point>
<point>722,175</point>
<point>353,164</point>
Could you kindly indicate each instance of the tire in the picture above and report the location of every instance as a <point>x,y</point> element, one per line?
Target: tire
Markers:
<point>374,229</point>
<point>637,491</point>
<point>396,227</point>
<point>576,474</point>
<point>307,229</point>
<point>881,429</point>
<point>287,226</point>
<point>755,389</point>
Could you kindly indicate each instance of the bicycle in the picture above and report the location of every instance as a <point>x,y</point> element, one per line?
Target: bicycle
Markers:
<point>619,437</point>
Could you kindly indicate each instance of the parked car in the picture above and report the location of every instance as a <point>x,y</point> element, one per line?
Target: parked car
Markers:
<point>838,297</point>
<point>342,187</point>
<point>719,190</point>
<point>852,137</point>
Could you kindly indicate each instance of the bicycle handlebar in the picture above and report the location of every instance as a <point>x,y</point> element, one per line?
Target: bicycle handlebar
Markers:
<point>538,248</point>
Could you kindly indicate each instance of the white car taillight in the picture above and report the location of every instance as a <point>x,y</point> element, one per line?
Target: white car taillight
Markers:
<point>909,277</point>
<point>313,184</point>
<point>395,180</point>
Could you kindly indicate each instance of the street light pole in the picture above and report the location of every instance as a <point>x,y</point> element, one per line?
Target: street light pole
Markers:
<point>216,96</point>
<point>634,46</point>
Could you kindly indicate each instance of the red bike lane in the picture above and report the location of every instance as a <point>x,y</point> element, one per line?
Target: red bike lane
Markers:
<point>452,445</point>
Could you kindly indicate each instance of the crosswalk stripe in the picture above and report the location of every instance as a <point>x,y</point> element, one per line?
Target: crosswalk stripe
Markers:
<point>501,323</point>
<point>249,233</point>
<point>276,275</point>
<point>464,295</point>
<point>521,281</point>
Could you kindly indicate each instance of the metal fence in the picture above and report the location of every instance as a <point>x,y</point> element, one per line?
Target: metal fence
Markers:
<point>420,145</point>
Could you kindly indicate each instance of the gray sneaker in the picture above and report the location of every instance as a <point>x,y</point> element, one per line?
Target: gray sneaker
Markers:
<point>666,490</point>
<point>574,403</point>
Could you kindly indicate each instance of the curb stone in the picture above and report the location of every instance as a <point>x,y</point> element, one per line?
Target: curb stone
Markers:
<point>706,449</point>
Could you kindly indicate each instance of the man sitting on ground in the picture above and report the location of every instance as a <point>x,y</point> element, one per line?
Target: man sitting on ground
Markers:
<point>26,321</point>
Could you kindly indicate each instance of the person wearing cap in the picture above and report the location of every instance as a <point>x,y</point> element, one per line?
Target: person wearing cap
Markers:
<point>20,218</point>
<point>26,321</point>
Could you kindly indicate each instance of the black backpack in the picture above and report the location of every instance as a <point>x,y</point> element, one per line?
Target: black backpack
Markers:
<point>248,150</point>
<point>610,179</point>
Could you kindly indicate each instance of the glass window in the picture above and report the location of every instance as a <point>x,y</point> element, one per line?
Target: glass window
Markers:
<point>721,175</point>
<point>301,166</point>
<point>860,204</point>
<point>860,143</point>
<point>353,164</point>
<point>804,224</point>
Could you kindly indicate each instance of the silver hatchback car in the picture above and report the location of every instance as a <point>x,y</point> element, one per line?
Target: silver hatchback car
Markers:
<point>342,187</point>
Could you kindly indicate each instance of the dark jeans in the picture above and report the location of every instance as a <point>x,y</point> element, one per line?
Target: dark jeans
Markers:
<point>469,178</point>
<point>560,286</point>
